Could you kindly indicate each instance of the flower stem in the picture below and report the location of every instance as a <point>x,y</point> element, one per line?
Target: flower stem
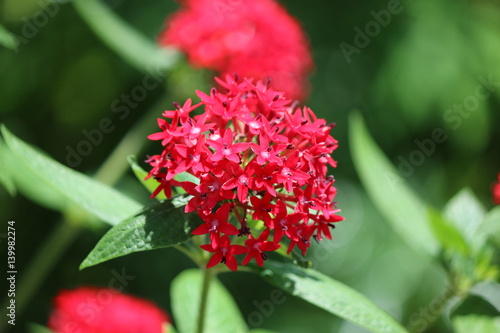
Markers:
<point>207,277</point>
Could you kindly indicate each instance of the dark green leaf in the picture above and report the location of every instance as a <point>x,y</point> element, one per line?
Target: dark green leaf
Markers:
<point>158,225</point>
<point>330,295</point>
<point>388,190</point>
<point>104,202</point>
<point>139,51</point>
<point>222,316</point>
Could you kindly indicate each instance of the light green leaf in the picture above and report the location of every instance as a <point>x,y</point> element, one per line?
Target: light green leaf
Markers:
<point>475,323</point>
<point>151,184</point>
<point>330,295</point>
<point>389,191</point>
<point>490,226</point>
<point>104,202</point>
<point>222,316</point>
<point>159,225</point>
<point>139,51</point>
<point>466,212</point>
<point>5,176</point>
<point>7,39</point>
<point>261,331</point>
<point>447,234</point>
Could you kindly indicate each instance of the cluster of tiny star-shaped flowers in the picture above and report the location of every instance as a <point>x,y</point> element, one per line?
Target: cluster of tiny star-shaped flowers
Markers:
<point>260,164</point>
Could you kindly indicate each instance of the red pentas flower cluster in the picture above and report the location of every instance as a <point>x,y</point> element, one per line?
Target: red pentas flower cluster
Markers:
<point>104,310</point>
<point>260,164</point>
<point>255,38</point>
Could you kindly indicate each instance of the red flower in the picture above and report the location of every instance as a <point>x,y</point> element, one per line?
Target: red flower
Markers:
<point>259,162</point>
<point>255,38</point>
<point>256,248</point>
<point>496,192</point>
<point>101,310</point>
<point>224,252</point>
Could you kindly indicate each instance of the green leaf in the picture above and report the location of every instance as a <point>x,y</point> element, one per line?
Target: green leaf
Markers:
<point>158,225</point>
<point>222,314</point>
<point>330,295</point>
<point>104,202</point>
<point>447,234</point>
<point>7,39</point>
<point>490,226</point>
<point>151,184</point>
<point>466,213</point>
<point>475,323</point>
<point>139,51</point>
<point>5,176</point>
<point>388,190</point>
<point>489,291</point>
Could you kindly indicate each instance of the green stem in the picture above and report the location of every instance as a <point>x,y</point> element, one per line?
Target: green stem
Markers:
<point>207,277</point>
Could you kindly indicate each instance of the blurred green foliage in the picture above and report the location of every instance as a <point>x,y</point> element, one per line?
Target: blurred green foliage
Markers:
<point>422,71</point>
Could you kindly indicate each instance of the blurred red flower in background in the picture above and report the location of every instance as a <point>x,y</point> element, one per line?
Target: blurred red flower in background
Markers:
<point>496,192</point>
<point>103,310</point>
<point>254,38</point>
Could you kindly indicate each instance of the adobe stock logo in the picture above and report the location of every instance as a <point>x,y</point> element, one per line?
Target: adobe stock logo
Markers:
<point>371,30</point>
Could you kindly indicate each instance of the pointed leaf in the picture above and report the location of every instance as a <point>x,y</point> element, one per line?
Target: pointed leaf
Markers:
<point>222,314</point>
<point>330,295</point>
<point>140,52</point>
<point>466,212</point>
<point>158,225</point>
<point>388,190</point>
<point>104,202</point>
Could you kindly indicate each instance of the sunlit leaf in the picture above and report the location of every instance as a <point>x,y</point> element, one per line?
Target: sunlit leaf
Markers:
<point>159,225</point>
<point>389,191</point>
<point>222,313</point>
<point>447,233</point>
<point>104,202</point>
<point>330,295</point>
